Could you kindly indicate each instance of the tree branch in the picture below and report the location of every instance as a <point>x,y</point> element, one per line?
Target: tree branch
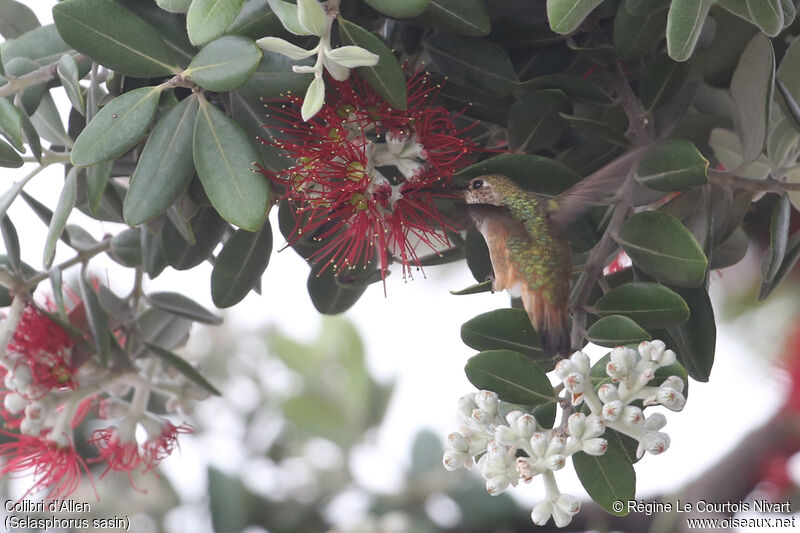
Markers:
<point>768,184</point>
<point>40,75</point>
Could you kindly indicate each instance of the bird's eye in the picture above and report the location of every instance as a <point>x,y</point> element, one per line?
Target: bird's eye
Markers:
<point>477,184</point>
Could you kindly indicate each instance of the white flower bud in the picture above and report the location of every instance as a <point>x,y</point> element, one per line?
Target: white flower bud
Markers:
<point>674,382</point>
<point>632,415</point>
<point>505,435</point>
<point>596,446</point>
<point>30,426</point>
<point>671,399</point>
<point>496,485</point>
<point>525,426</point>
<point>576,423</point>
<point>487,400</point>
<point>594,427</point>
<point>569,504</point>
<point>644,349</point>
<point>22,376</point>
<point>482,418</point>
<point>312,17</point>
<point>575,383</point>
<point>556,462</point>
<point>556,446</point>
<point>466,404</point>
<point>668,358</point>
<point>655,442</point>
<point>35,410</point>
<point>616,371</point>
<point>655,421</point>
<point>541,513</point>
<point>623,356</point>
<point>564,368</point>
<point>612,410</point>
<point>285,48</point>
<point>607,393</point>
<point>657,348</point>
<point>581,362</point>
<point>456,441</point>
<point>352,57</point>
<point>512,417</point>
<point>14,403</point>
<point>539,443</point>
<point>526,469</point>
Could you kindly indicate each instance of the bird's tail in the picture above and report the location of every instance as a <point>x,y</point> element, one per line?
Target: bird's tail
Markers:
<point>551,322</point>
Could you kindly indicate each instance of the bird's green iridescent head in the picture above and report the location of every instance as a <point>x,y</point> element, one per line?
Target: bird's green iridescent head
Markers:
<point>492,189</point>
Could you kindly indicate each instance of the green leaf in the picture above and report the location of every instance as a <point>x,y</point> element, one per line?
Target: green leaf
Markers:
<point>208,19</point>
<point>790,258</point>
<point>386,77</point>
<point>11,240</point>
<point>66,202</point>
<point>30,97</point>
<point>779,235</point>
<point>503,329</point>
<point>514,377</point>
<point>767,15</point>
<point>535,122</point>
<point>604,130</point>
<point>477,253</point>
<point>9,157</point>
<point>608,478</point>
<point>255,20</point>
<point>207,228</point>
<point>165,166</point>
<point>42,46</point>
<point>96,183</point>
<point>752,87</point>
<point>635,35</point>
<point>484,286</point>
<point>114,37</point>
<point>328,296</point>
<point>223,157</point>
<point>153,258</point>
<point>116,128</point>
<point>11,124</point>
<point>180,305</point>
<point>68,74</point>
<point>616,330</point>
<point>661,246</point>
<point>650,305</point>
<point>684,23</point>
<point>728,149</point>
<point>472,62</point>
<point>674,165</point>
<point>576,88</point>
<point>97,319</point>
<point>661,79</point>
<point>566,15</point>
<point>694,340</point>
<point>288,15</point>
<point>31,137</point>
<point>395,9</point>
<point>534,173</point>
<point>240,265</point>
<point>11,194</point>
<point>47,123</point>
<point>16,19</point>
<point>274,77</point>
<point>645,7</point>
<point>465,17</point>
<point>126,247</point>
<point>224,64</point>
<point>181,365</point>
<point>174,6</point>
<point>160,328</point>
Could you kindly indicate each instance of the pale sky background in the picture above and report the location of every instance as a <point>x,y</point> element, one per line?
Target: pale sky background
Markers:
<point>412,336</point>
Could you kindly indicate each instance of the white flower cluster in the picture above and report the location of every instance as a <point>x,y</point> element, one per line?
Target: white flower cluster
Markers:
<point>498,439</point>
<point>309,17</point>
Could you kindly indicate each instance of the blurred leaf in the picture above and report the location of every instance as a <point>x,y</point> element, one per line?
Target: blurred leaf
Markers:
<point>240,265</point>
<point>645,7</point>
<point>255,20</point>
<point>208,19</point>
<point>566,15</point>
<point>30,97</point>
<point>477,254</point>
<point>465,17</point>
<point>180,305</point>
<point>181,365</point>
<point>475,63</point>
<point>328,296</point>
<point>790,258</point>
<point>11,240</point>
<point>66,202</point>
<point>9,158</point>
<point>68,74</point>
<point>608,478</point>
<point>616,330</point>
<point>96,183</point>
<point>153,258</point>
<point>637,35</point>
<point>395,9</point>
<point>730,251</point>
<point>165,166</point>
<point>42,46</point>
<point>694,340</point>
<point>767,15</point>
<point>484,286</point>
<point>604,130</point>
<point>126,247</point>
<point>116,128</point>
<point>207,228</point>
<point>386,77</point>
<point>223,157</point>
<point>114,37</point>
<point>11,123</point>
<point>661,246</point>
<point>779,235</point>
<point>661,79</point>
<point>649,304</point>
<point>684,23</point>
<point>576,88</point>
<point>727,148</point>
<point>752,88</point>
<point>97,319</point>
<point>116,307</point>
<point>674,165</point>
<point>511,375</point>
<point>160,328</point>
<point>501,329</point>
<point>224,64</point>
<point>16,19</point>
<point>534,122</point>
<point>48,123</point>
<point>274,77</point>
<point>31,137</point>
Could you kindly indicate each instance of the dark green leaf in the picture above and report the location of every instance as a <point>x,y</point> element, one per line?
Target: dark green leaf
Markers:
<point>534,122</point>
<point>465,17</point>
<point>96,183</point>
<point>114,37</point>
<point>249,113</point>
<point>649,304</point>
<point>126,247</point>
<point>328,296</point>
<point>42,46</point>
<point>779,235</point>
<point>224,64</point>
<point>472,62</point>
<point>16,19</point>
<point>616,330</point>
<point>224,157</point>
<point>386,77</point>
<point>68,74</point>
<point>116,128</point>
<point>511,375</point>
<point>153,258</point>
<point>240,265</point>
<point>9,158</point>
<point>395,9</point>
<point>661,246</point>
<point>160,328</point>
<point>66,202</point>
<point>604,130</point>
<point>255,20</point>
<point>789,260</point>
<point>694,340</point>
<point>174,6</point>
<point>684,23</point>
<point>31,137</point>
<point>661,79</point>
<point>767,15</point>
<point>645,7</point>
<point>11,123</point>
<point>181,365</point>
<point>608,478</point>
<point>11,240</point>
<point>484,286</point>
<point>31,96</point>
<point>503,329</point>
<point>635,35</point>
<point>752,89</point>
<point>534,173</point>
<point>566,15</point>
<point>48,123</point>
<point>207,228</point>
<point>180,305</point>
<point>575,87</point>
<point>11,193</point>
<point>97,319</point>
<point>208,19</point>
<point>116,307</point>
<point>165,166</point>
<point>274,78</point>
<point>674,165</point>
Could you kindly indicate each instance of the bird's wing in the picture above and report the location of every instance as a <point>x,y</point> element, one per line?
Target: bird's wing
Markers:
<point>498,228</point>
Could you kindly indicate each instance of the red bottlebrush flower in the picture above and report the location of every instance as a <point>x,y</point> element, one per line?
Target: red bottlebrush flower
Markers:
<point>55,466</point>
<point>366,177</point>
<point>118,454</point>
<point>44,346</point>
<point>162,446</point>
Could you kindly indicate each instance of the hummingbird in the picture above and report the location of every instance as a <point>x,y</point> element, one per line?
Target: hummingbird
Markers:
<point>528,246</point>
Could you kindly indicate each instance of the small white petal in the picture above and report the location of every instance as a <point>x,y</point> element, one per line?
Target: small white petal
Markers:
<point>596,446</point>
<point>337,71</point>
<point>312,17</point>
<point>301,69</point>
<point>287,14</point>
<point>541,513</point>
<point>284,47</point>
<point>313,100</point>
<point>353,56</point>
